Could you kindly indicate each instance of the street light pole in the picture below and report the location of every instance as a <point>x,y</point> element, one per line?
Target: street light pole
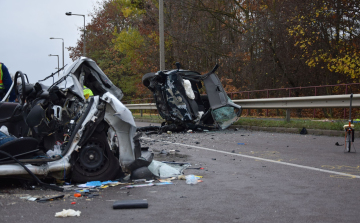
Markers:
<point>50,55</point>
<point>69,14</point>
<point>62,49</point>
<point>161,34</point>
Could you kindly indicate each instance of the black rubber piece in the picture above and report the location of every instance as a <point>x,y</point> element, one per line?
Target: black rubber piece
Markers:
<point>142,173</point>
<point>126,204</point>
<point>146,79</point>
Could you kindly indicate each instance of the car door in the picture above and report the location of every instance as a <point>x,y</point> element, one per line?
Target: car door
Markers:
<point>223,110</point>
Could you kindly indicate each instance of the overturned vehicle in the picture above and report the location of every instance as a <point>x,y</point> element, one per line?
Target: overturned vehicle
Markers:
<point>94,134</point>
<point>180,103</point>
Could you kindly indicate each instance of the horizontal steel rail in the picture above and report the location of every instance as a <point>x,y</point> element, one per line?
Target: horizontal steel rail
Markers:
<point>145,106</point>
<point>329,101</point>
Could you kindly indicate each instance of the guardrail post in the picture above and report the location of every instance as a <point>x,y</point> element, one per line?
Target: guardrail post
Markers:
<point>287,115</point>
<point>141,112</point>
<point>314,108</point>
<point>267,110</point>
<point>248,109</point>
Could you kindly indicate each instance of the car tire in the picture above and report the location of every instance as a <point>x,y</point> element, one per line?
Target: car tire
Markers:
<point>95,161</point>
<point>146,79</point>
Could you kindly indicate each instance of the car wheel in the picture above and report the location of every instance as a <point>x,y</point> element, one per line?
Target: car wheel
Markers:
<point>146,79</point>
<point>95,161</point>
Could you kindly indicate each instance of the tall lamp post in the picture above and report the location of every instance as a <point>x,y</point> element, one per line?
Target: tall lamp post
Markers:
<point>69,14</point>
<point>50,55</point>
<point>62,48</point>
<point>161,34</point>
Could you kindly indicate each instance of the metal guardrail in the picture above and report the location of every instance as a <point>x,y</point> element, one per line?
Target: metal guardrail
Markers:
<point>329,101</point>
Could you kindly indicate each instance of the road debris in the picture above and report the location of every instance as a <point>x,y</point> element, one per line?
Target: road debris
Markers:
<point>42,200</point>
<point>191,179</point>
<point>67,213</point>
<point>125,204</point>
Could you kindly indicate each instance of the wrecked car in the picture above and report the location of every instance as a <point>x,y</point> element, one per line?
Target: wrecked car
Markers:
<point>181,100</point>
<point>94,135</point>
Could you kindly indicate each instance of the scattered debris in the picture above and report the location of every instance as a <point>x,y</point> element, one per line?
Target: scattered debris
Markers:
<point>125,204</point>
<point>195,168</point>
<point>42,200</point>
<point>191,179</point>
<point>67,213</point>
<point>29,198</point>
<point>337,144</point>
<point>303,131</point>
<point>92,195</point>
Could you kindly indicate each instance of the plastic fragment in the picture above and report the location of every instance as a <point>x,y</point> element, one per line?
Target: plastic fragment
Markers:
<point>82,191</point>
<point>191,179</point>
<point>163,183</point>
<point>94,184</point>
<point>29,198</point>
<point>67,213</point>
<point>77,195</point>
<point>73,202</point>
<point>42,200</point>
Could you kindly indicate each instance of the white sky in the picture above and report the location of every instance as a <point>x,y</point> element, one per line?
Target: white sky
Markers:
<point>26,27</point>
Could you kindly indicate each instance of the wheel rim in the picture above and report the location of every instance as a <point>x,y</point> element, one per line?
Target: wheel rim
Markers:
<point>92,159</point>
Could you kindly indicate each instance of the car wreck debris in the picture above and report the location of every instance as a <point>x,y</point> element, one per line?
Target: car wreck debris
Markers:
<point>57,132</point>
<point>130,204</point>
<point>67,213</point>
<point>178,99</point>
<point>191,179</point>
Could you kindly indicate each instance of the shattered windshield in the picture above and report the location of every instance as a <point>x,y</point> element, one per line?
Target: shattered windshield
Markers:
<point>227,115</point>
<point>70,81</point>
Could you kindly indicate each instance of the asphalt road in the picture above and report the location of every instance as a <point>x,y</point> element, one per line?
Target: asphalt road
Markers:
<point>247,177</point>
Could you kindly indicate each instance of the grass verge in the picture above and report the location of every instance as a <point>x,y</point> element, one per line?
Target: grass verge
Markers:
<point>294,123</point>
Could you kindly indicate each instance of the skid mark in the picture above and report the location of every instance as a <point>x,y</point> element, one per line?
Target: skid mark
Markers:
<point>262,159</point>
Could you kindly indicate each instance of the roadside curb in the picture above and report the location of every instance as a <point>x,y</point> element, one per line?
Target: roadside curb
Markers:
<point>274,129</point>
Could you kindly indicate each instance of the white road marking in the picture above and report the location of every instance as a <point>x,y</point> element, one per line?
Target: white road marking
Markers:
<point>258,158</point>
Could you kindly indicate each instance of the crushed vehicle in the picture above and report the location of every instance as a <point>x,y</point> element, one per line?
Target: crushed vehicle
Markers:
<point>94,135</point>
<point>179,101</point>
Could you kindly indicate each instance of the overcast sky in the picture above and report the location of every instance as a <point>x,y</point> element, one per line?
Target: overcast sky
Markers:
<point>26,28</point>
